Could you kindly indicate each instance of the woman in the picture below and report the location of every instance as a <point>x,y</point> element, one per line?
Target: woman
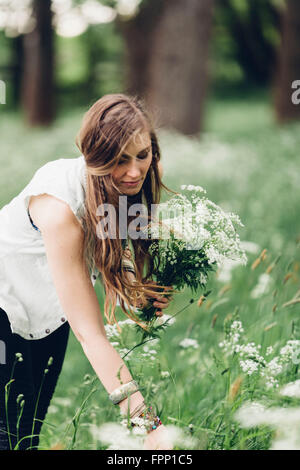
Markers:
<point>52,247</point>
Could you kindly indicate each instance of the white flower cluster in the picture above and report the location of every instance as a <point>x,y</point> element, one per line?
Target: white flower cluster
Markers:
<point>286,422</point>
<point>114,337</point>
<point>262,286</point>
<point>291,389</point>
<point>140,425</point>
<point>231,342</point>
<point>197,223</point>
<point>112,330</point>
<point>150,353</point>
<point>161,320</point>
<point>165,373</point>
<point>189,342</point>
<point>250,358</point>
<point>191,187</point>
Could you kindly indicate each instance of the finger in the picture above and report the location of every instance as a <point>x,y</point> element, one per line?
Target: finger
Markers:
<point>162,299</point>
<point>159,313</point>
<point>160,305</point>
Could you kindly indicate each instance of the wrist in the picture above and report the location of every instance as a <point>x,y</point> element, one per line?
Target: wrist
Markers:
<point>143,423</point>
<point>133,402</point>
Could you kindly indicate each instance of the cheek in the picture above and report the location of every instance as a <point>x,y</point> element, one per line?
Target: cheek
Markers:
<point>147,164</point>
<point>116,174</point>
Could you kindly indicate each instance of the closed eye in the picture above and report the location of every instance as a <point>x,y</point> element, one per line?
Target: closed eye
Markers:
<point>141,156</point>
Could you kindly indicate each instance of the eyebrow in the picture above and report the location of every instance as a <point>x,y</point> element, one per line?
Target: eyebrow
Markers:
<point>144,150</point>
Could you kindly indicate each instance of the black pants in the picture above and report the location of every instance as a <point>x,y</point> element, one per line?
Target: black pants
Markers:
<point>17,416</point>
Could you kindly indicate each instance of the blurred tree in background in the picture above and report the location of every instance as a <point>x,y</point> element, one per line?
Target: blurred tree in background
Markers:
<point>289,63</point>
<point>168,48</point>
<point>38,73</point>
<point>56,54</point>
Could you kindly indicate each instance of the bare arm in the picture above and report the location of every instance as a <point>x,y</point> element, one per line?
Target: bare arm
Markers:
<point>63,238</point>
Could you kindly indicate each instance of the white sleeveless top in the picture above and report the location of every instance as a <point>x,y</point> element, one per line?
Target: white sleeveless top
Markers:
<point>27,291</point>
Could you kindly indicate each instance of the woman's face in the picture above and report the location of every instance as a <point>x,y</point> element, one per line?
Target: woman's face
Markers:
<point>131,171</point>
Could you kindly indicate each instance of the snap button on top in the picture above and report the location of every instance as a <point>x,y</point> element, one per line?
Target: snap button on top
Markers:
<point>94,277</point>
<point>31,336</point>
<point>47,331</point>
<point>63,319</point>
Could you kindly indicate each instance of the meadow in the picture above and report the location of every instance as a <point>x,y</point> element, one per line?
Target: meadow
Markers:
<point>248,165</point>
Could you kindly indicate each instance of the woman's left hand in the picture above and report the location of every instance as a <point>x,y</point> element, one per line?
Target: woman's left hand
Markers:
<point>161,302</point>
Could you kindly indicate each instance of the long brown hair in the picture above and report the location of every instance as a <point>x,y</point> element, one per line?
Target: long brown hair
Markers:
<point>106,129</point>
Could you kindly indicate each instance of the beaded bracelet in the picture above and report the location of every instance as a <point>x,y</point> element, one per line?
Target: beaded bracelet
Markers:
<point>147,419</point>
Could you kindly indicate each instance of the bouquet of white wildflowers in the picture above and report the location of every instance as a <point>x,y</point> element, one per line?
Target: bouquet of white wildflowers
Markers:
<point>191,236</point>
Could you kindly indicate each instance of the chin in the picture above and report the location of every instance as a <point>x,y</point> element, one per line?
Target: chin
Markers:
<point>132,191</point>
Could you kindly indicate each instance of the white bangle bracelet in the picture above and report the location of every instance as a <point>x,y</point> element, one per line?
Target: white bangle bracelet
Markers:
<point>123,391</point>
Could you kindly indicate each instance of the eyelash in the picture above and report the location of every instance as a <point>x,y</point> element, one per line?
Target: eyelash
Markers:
<point>140,157</point>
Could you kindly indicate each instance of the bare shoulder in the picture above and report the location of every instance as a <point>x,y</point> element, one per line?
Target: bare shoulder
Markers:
<point>47,211</point>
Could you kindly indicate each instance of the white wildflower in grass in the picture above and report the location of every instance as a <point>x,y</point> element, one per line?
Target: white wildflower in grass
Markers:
<point>224,273</point>
<point>52,409</point>
<point>250,414</point>
<point>191,187</point>
<point>250,358</point>
<point>189,343</point>
<point>155,388</point>
<point>128,321</point>
<point>63,401</point>
<point>233,336</point>
<point>291,389</point>
<point>165,373</point>
<point>250,247</point>
<point>117,437</point>
<point>286,422</point>
<point>262,287</point>
<point>291,348</point>
<point>179,438</point>
<point>111,330</point>
<point>125,351</point>
<point>248,366</point>
<point>160,320</point>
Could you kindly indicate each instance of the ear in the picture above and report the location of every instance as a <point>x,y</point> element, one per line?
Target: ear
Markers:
<point>160,169</point>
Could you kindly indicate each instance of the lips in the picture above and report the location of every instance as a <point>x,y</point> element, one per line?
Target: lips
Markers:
<point>131,183</point>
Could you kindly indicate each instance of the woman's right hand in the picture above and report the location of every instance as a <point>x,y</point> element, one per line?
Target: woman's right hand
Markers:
<point>158,439</point>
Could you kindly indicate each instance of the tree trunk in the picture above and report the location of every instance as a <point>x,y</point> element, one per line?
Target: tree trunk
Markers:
<point>38,87</point>
<point>168,45</point>
<point>17,44</point>
<point>138,35</point>
<point>288,65</point>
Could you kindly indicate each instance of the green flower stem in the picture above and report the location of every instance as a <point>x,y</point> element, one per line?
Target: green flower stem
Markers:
<point>151,324</point>
<point>7,390</point>
<point>18,422</point>
<point>35,409</point>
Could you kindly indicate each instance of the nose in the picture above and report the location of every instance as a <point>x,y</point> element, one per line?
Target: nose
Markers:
<point>133,171</point>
